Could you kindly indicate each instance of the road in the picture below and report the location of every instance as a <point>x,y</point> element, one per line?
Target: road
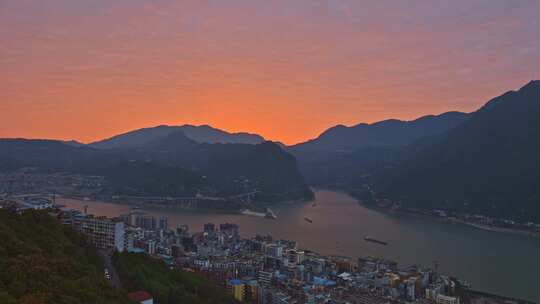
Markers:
<point>107,262</point>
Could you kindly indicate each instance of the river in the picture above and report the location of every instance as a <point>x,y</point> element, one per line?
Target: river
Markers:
<point>505,264</point>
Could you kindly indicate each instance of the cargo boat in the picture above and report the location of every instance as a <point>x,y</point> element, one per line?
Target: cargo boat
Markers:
<point>269,214</point>
<point>370,239</point>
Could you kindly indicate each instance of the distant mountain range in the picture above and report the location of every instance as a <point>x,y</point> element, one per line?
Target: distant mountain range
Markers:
<point>172,165</point>
<point>199,134</point>
<point>393,132</point>
<point>487,161</point>
<point>343,155</point>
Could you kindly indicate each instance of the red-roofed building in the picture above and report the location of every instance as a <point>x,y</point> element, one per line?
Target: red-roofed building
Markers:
<point>142,297</point>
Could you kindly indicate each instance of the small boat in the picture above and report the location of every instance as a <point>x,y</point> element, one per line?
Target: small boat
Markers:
<point>252,213</point>
<point>270,214</point>
<point>370,239</point>
<point>308,220</point>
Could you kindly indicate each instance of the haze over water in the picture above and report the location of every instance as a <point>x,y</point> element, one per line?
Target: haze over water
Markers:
<point>501,263</point>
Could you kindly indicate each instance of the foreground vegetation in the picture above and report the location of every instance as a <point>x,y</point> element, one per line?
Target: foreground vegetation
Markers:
<point>42,261</point>
<point>139,272</point>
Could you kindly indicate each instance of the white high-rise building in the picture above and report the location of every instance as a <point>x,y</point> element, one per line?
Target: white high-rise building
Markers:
<point>103,232</point>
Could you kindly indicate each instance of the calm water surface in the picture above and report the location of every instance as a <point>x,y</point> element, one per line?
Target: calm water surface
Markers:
<point>495,262</point>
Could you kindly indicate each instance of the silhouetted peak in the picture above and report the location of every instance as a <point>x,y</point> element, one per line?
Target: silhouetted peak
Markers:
<point>190,126</point>
<point>532,85</point>
<point>337,129</point>
<point>387,122</point>
<point>200,134</point>
<point>390,132</point>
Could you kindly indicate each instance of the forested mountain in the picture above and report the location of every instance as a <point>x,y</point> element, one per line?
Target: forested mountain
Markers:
<point>199,134</point>
<point>265,166</point>
<point>146,178</point>
<point>486,162</point>
<point>174,165</point>
<point>489,164</point>
<point>392,132</point>
<point>342,155</point>
<point>42,261</point>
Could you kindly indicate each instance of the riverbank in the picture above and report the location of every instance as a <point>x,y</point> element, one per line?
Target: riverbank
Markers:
<point>261,209</point>
<point>451,219</point>
<point>151,205</point>
<point>495,228</point>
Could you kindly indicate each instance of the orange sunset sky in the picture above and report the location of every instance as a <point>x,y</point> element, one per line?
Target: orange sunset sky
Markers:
<point>287,70</point>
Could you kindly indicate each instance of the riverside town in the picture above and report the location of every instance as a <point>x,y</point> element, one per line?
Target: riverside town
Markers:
<point>262,269</point>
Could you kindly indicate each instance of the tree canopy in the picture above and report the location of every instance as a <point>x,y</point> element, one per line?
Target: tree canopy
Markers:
<point>139,272</point>
<point>42,261</point>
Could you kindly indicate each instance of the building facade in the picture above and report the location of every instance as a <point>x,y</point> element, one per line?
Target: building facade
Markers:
<point>104,233</point>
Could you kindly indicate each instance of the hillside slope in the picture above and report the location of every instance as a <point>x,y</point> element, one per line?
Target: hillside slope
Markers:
<point>265,166</point>
<point>490,164</point>
<point>170,166</point>
<point>139,272</point>
<point>342,155</point>
<point>42,261</point>
<point>385,133</point>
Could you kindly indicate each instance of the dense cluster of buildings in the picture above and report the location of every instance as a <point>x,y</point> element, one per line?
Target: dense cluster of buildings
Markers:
<point>263,270</point>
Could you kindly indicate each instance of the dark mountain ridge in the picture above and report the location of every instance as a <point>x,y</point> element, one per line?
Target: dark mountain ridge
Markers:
<point>181,165</point>
<point>490,164</point>
<point>267,165</point>
<point>390,132</point>
<point>342,156</point>
<point>199,134</point>
<point>51,154</point>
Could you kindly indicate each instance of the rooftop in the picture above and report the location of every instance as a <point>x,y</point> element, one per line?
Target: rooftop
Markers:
<point>140,296</point>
